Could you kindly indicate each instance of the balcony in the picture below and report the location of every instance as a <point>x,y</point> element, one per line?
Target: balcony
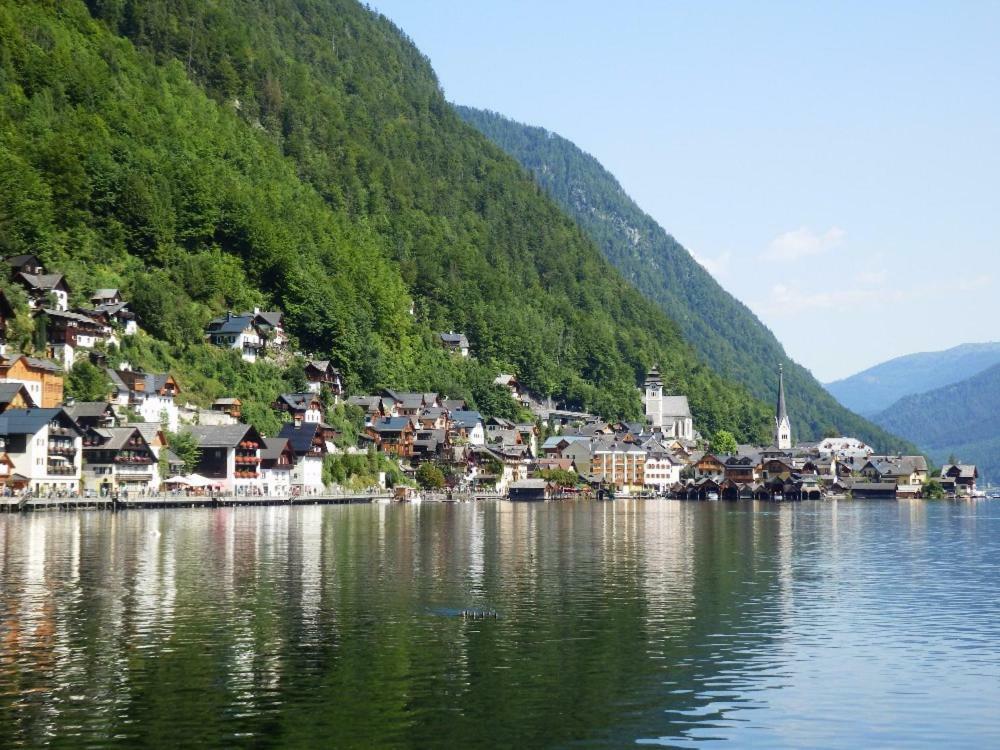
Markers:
<point>62,448</point>
<point>63,470</point>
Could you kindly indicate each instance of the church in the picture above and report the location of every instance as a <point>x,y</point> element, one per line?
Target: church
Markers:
<point>782,424</point>
<point>669,414</point>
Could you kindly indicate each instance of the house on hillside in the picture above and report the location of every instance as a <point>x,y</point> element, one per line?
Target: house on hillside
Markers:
<point>301,407</point>
<point>30,264</point>
<point>321,374</point>
<point>271,325</point>
<point>43,378</point>
<point>45,290</point>
<point>239,332</point>
<point>393,436</point>
<point>456,343</point>
<point>151,395</point>
<point>68,332</point>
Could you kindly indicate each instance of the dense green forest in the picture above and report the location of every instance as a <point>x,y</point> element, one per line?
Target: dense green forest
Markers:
<point>722,329</point>
<point>300,154</point>
<point>960,420</point>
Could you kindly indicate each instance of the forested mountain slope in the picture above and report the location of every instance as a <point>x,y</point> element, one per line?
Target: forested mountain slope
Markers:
<point>723,330</point>
<point>960,419</point>
<point>881,386</point>
<point>300,154</point>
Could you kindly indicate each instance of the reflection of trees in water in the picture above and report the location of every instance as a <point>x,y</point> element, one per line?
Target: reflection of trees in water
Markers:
<point>617,620</point>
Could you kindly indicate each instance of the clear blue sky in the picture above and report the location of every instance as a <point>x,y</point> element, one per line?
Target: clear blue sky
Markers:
<point>835,165</point>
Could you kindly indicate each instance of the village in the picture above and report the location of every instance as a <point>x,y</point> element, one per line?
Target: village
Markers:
<point>120,446</point>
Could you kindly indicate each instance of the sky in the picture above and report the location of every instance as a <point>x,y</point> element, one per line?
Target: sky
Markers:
<point>835,166</point>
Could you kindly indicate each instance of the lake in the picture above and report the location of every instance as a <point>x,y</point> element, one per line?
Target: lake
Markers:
<point>667,623</point>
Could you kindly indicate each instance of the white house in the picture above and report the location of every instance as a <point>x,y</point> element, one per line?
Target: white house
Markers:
<point>470,425</point>
<point>43,447</point>
<point>277,459</point>
<point>153,396</point>
<point>239,332</point>
<point>661,471</point>
<point>308,444</point>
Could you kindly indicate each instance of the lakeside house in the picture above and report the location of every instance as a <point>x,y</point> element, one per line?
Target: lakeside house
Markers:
<point>230,457</point>
<point>41,450</point>
<point>118,459</point>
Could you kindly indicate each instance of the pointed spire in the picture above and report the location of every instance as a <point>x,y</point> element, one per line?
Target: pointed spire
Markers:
<point>782,411</point>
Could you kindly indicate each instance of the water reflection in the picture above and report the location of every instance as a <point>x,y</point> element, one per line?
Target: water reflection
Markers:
<point>673,624</point>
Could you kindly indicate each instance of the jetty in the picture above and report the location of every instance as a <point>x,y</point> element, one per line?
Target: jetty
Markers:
<point>30,504</point>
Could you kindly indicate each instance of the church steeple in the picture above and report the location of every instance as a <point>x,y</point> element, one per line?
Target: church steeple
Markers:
<point>782,425</point>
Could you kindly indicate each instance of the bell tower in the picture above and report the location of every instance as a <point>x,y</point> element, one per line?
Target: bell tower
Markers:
<point>653,397</point>
<point>782,425</point>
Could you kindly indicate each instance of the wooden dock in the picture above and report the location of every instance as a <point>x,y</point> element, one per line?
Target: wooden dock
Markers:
<point>31,504</point>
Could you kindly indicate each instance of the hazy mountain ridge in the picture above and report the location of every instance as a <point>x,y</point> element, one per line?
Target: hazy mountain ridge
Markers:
<point>960,418</point>
<point>878,388</point>
<point>723,330</point>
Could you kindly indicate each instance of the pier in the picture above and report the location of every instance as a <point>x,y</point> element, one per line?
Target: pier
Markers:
<point>31,504</point>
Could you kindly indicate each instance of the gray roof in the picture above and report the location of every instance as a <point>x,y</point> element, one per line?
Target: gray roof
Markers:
<point>270,317</point>
<point>781,411</point>
<point>230,324</point>
<point>467,419</point>
<point>298,400</point>
<point>393,424</point>
<point>219,436</point>
<point>104,294</point>
<point>676,406</point>
<point>30,421</point>
<point>115,438</point>
<point>93,409</point>
<point>273,448</point>
<point>148,430</point>
<point>44,281</point>
<point>454,339</point>
<point>9,391</point>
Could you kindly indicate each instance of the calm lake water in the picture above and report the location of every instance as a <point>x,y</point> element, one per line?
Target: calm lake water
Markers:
<point>817,625</point>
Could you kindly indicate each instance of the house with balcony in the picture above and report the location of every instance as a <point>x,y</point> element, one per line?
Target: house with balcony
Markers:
<point>153,396</point>
<point>307,441</point>
<point>230,457</point>
<point>118,460</point>
<point>44,289</point>
<point>467,426</point>
<point>393,436</point>
<point>321,374</point>
<point>239,332</point>
<point>277,460</point>
<point>301,407</point>
<point>43,447</point>
<point>67,332</point>
<point>25,264</point>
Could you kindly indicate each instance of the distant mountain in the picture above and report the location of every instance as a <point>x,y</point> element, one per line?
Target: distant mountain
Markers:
<point>961,419</point>
<point>723,330</point>
<point>879,387</point>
